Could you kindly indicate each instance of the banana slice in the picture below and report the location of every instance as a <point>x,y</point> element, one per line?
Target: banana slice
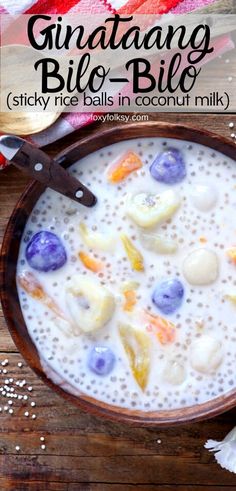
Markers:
<point>90,305</point>
<point>137,347</point>
<point>158,243</point>
<point>96,240</point>
<point>147,210</point>
<point>135,257</point>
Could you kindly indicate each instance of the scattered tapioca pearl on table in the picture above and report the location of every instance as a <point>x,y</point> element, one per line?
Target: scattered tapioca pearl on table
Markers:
<point>231,126</point>
<point>15,400</point>
<point>155,248</point>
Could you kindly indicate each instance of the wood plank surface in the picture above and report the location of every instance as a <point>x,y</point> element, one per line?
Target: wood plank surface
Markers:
<point>83,452</point>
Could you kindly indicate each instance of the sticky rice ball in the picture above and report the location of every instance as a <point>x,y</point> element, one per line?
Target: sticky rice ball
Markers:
<point>206,354</point>
<point>204,196</point>
<point>168,167</point>
<point>201,267</point>
<point>174,372</point>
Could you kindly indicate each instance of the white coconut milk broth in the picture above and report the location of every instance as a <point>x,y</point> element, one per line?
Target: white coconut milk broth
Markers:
<point>204,310</point>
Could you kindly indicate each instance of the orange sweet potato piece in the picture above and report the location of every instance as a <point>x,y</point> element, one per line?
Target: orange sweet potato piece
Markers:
<point>33,287</point>
<point>123,167</point>
<point>130,300</point>
<point>90,263</point>
<point>164,330</point>
<point>231,253</point>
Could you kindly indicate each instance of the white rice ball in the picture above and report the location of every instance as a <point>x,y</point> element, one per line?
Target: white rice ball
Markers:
<point>204,197</point>
<point>206,354</point>
<point>201,267</point>
<point>174,372</point>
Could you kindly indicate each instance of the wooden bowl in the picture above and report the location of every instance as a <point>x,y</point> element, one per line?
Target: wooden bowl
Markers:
<point>9,295</point>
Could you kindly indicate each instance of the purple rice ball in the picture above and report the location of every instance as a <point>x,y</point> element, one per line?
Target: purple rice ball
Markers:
<point>45,252</point>
<point>168,295</point>
<point>168,167</point>
<point>101,360</point>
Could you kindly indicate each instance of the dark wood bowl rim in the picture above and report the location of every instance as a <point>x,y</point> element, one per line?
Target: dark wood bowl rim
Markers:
<point>9,296</point>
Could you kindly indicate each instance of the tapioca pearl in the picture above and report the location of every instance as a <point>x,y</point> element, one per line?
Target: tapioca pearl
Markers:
<point>34,219</point>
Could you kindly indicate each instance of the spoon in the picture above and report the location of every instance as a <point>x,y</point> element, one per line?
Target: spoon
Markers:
<point>25,123</point>
<point>38,165</point>
<point>22,123</point>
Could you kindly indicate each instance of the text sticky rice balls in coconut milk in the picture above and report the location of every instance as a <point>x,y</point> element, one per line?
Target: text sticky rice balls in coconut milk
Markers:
<point>133,302</point>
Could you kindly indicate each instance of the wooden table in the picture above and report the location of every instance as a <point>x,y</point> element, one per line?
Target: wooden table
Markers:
<point>87,453</point>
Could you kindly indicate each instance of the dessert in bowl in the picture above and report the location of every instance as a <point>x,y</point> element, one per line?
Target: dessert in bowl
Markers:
<point>129,306</point>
